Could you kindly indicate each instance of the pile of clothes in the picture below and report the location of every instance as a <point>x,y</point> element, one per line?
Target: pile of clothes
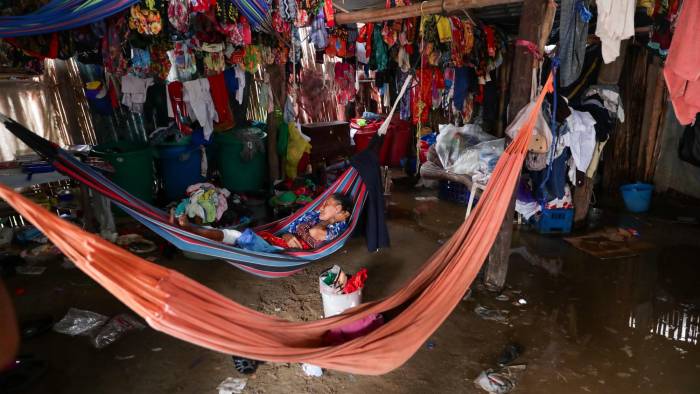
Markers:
<point>561,158</point>
<point>342,283</point>
<point>293,193</point>
<point>205,201</point>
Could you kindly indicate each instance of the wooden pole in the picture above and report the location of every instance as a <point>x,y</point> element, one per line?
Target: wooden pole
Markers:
<point>417,9</point>
<point>533,27</point>
<point>654,125</point>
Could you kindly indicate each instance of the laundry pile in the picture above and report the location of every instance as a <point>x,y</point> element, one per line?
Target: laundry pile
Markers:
<point>204,201</point>
<point>342,283</point>
<point>566,148</point>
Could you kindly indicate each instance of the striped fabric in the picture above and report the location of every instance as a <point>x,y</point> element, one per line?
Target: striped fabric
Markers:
<point>60,15</point>
<point>257,12</point>
<point>261,264</point>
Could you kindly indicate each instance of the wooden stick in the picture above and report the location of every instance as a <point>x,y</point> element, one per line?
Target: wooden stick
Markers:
<point>418,9</point>
<point>654,127</point>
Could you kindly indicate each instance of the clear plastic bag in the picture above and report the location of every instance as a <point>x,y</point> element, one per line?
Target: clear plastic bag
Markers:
<point>79,322</point>
<point>467,150</point>
<point>116,328</point>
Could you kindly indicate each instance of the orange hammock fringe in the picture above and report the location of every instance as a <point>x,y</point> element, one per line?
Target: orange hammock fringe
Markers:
<point>179,306</point>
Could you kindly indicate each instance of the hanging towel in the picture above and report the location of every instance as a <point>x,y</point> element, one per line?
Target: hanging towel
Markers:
<point>200,104</point>
<point>615,23</point>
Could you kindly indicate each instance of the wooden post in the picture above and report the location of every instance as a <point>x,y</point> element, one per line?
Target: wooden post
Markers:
<point>416,9</point>
<point>533,27</point>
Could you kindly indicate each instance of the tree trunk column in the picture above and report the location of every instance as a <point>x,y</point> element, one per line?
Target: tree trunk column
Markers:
<point>532,27</point>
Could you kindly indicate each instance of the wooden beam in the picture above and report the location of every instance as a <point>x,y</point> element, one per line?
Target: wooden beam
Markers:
<point>425,8</point>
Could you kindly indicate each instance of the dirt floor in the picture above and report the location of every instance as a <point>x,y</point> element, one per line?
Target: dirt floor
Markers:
<point>588,326</point>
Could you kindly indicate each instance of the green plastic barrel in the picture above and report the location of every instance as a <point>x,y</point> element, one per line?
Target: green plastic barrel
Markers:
<point>241,159</point>
<point>133,166</point>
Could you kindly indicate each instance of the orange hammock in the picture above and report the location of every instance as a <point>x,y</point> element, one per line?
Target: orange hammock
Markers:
<point>179,306</point>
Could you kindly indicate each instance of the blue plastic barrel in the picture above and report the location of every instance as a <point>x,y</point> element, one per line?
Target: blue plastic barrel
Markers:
<point>179,165</point>
<point>637,196</point>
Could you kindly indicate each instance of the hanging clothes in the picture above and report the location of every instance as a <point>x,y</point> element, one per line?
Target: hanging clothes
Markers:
<point>179,14</point>
<point>297,146</point>
<point>380,52</point>
<point>430,80</point>
<point>581,138</point>
<point>231,82</point>
<point>681,71</point>
<point>134,92</point>
<point>319,34</point>
<point>615,23</point>
<point>156,106</point>
<point>367,164</point>
<point>345,82</point>
<point>461,86</point>
<point>219,94</point>
<point>365,36</point>
<point>182,56</point>
<point>240,76</point>
<point>329,12</point>
<point>265,95</point>
<point>405,104</point>
<point>200,104</point>
<point>573,34</point>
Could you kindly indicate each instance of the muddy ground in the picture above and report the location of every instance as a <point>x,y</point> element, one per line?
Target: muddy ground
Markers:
<point>588,326</point>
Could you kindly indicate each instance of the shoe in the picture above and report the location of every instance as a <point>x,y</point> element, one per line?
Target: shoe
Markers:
<point>245,366</point>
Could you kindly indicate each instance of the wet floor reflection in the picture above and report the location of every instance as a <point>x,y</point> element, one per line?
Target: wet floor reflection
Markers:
<point>679,325</point>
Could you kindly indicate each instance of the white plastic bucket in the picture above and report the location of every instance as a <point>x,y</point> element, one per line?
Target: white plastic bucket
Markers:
<point>335,304</point>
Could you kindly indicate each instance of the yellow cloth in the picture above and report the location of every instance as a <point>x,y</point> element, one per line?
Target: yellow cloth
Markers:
<point>296,148</point>
<point>468,36</point>
<point>444,29</point>
<point>648,4</point>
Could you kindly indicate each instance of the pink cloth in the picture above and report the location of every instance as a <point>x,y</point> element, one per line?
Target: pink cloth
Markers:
<point>353,330</point>
<point>682,72</point>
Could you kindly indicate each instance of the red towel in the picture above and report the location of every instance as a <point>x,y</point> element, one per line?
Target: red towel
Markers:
<point>219,94</point>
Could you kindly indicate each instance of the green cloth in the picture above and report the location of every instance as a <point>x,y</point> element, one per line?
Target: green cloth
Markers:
<point>380,53</point>
<point>206,201</point>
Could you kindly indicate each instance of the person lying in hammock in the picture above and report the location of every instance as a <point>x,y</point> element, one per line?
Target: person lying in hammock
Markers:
<point>309,231</point>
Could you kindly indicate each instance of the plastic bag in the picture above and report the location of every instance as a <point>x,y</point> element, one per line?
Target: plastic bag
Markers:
<point>541,139</point>
<point>79,322</point>
<point>459,148</point>
<point>116,328</point>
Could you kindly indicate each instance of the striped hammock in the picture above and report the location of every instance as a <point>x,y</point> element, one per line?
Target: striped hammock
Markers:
<point>262,264</point>
<point>59,15</point>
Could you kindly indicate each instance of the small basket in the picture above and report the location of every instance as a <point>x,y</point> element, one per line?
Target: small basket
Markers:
<point>556,221</point>
<point>453,192</point>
